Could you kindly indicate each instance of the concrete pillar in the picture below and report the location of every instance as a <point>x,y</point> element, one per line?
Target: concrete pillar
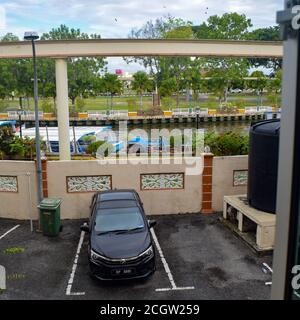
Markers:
<point>207,183</point>
<point>62,102</point>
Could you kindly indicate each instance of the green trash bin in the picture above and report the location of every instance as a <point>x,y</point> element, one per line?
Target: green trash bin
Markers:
<point>50,216</point>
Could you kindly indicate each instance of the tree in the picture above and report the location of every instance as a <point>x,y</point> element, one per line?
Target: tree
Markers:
<point>224,73</point>
<point>167,27</point>
<point>9,37</point>
<point>82,72</point>
<point>141,84</point>
<point>193,79</point>
<point>8,82</point>
<point>231,26</point>
<point>259,84</point>
<point>266,34</point>
<point>112,85</point>
<point>64,33</point>
<point>274,85</point>
<point>167,87</point>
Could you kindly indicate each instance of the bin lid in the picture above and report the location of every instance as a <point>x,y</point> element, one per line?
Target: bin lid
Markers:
<point>51,203</point>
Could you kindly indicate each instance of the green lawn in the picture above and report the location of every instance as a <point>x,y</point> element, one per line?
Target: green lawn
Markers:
<point>132,104</point>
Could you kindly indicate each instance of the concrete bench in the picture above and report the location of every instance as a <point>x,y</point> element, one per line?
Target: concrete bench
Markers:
<point>255,226</point>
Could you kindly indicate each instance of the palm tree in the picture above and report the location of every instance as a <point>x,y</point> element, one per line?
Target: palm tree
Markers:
<point>141,84</point>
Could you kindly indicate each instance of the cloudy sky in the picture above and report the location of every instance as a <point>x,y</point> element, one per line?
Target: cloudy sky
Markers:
<point>115,18</point>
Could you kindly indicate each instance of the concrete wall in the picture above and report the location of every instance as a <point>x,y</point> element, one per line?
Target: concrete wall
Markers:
<point>21,204</point>
<point>76,205</point>
<point>223,168</point>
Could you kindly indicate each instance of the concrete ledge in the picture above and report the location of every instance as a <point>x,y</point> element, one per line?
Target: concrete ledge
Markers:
<point>257,227</point>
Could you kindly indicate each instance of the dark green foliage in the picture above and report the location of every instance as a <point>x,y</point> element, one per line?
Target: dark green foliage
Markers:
<point>12,146</point>
<point>227,144</point>
<point>94,146</point>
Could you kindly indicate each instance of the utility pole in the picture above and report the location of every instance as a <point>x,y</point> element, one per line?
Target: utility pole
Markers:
<point>32,36</point>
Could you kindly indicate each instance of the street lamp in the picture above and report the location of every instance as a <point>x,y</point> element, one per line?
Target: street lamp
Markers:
<point>197,117</point>
<point>32,36</point>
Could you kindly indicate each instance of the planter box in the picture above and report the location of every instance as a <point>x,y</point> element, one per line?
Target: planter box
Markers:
<point>47,116</point>
<point>83,115</point>
<point>168,113</point>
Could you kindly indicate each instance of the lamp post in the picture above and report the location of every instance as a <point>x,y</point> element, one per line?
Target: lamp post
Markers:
<point>32,36</point>
<point>197,117</point>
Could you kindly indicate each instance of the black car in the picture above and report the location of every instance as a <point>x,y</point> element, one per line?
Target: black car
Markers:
<point>120,241</point>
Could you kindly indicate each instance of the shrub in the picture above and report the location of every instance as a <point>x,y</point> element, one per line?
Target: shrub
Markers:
<point>94,146</point>
<point>154,111</point>
<point>227,144</point>
<point>12,146</point>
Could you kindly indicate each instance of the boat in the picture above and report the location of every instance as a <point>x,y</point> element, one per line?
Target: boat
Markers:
<point>78,141</point>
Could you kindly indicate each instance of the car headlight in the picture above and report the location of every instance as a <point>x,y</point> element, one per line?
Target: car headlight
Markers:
<point>97,257</point>
<point>149,252</point>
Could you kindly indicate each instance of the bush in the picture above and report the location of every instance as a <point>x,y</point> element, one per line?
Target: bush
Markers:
<point>227,107</point>
<point>227,144</point>
<point>94,146</point>
<point>12,146</point>
<point>154,111</point>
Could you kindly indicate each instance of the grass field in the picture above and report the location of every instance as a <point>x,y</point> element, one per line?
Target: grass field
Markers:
<point>132,103</point>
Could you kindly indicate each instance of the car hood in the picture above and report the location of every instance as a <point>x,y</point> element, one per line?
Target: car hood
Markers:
<point>124,245</point>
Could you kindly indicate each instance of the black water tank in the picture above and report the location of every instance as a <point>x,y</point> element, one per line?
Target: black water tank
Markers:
<point>263,162</point>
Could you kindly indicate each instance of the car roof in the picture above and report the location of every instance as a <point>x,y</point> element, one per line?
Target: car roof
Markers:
<point>117,204</point>
<point>123,194</point>
<point>121,198</point>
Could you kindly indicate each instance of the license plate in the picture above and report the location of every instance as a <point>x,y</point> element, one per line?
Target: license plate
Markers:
<point>120,272</point>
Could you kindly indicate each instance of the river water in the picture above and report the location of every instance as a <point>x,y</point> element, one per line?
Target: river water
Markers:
<point>241,127</point>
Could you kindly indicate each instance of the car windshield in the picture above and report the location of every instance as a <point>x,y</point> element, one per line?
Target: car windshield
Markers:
<point>119,219</point>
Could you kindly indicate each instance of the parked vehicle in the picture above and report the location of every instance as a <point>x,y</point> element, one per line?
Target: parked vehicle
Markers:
<point>236,90</point>
<point>120,242</point>
<point>78,135</point>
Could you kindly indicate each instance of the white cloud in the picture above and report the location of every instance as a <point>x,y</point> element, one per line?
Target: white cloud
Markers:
<point>2,18</point>
<point>116,18</point>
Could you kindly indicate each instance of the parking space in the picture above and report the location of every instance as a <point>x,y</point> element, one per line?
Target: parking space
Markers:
<point>197,258</point>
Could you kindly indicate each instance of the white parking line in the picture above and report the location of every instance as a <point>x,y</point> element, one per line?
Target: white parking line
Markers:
<point>9,231</point>
<point>166,267</point>
<point>71,280</point>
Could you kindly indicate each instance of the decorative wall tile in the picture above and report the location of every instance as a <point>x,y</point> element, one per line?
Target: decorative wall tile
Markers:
<point>159,181</point>
<point>240,178</point>
<point>88,183</point>
<point>8,184</point>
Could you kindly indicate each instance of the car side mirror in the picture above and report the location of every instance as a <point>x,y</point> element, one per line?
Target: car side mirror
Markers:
<point>85,227</point>
<point>152,223</point>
